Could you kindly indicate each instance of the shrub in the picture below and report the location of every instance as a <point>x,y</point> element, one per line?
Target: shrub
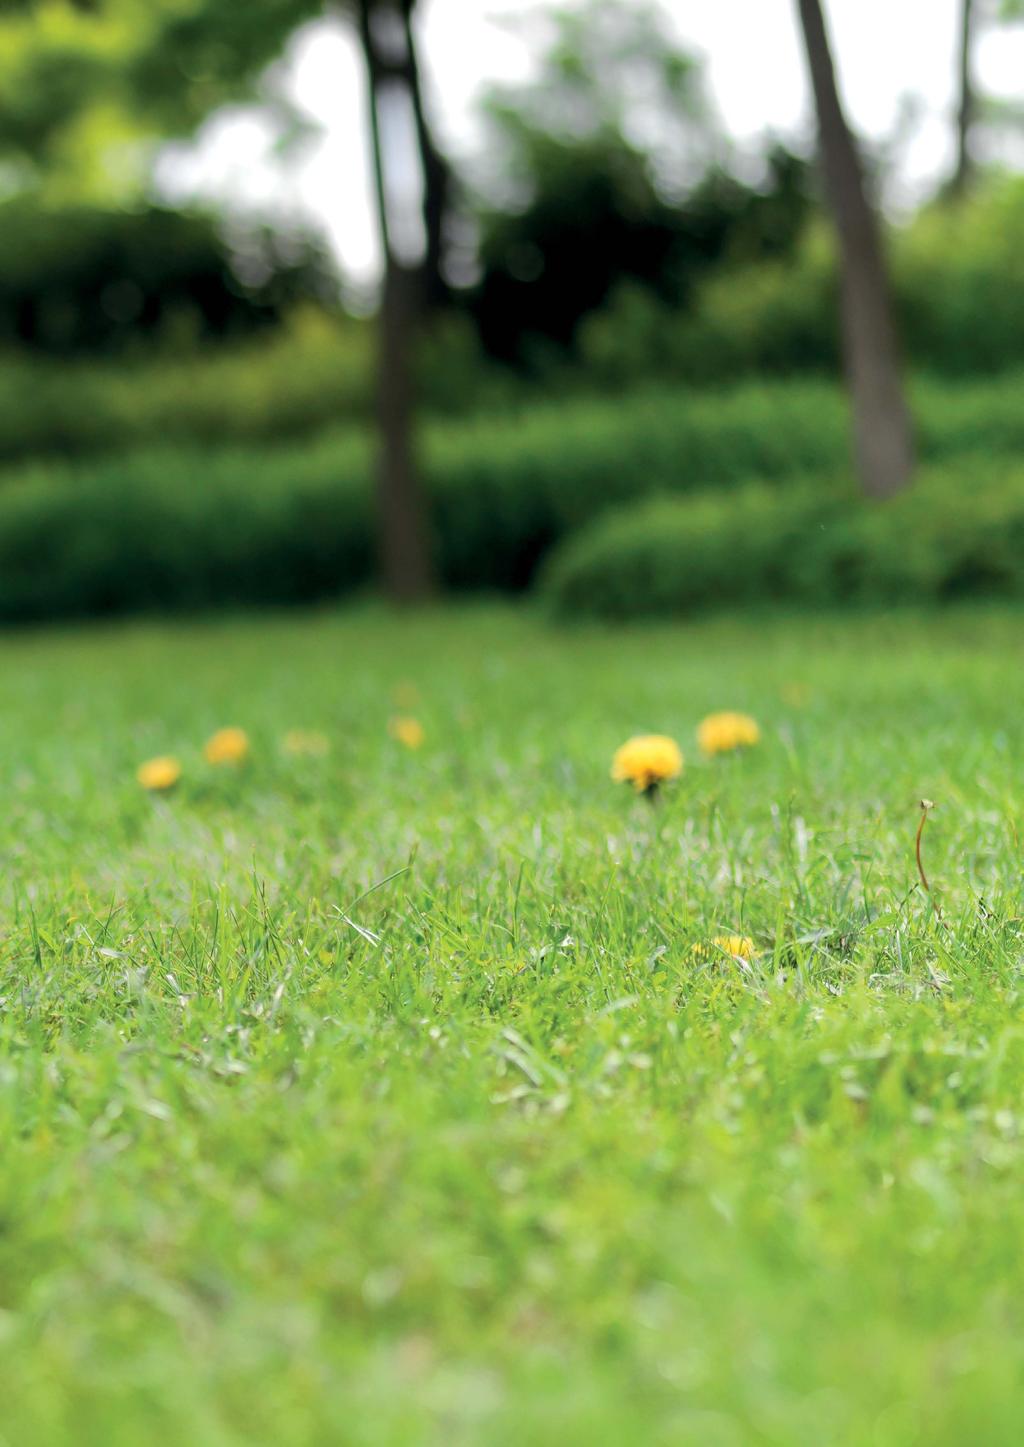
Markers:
<point>313,372</point>
<point>89,279</point>
<point>768,317</point>
<point>958,275</point>
<point>304,375</point>
<point>959,530</point>
<point>194,527</point>
<point>958,281</point>
<point>505,489</point>
<point>129,537</point>
<point>191,527</point>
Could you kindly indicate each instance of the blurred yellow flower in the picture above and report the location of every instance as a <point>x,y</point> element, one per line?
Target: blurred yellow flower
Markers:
<point>305,741</point>
<point>647,761</point>
<point>408,731</point>
<point>741,947</point>
<point>721,732</point>
<point>227,746</point>
<point>159,774</point>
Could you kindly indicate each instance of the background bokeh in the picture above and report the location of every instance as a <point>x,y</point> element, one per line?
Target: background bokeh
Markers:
<point>588,323</point>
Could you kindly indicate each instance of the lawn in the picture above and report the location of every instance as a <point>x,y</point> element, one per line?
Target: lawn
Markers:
<point>382,1097</point>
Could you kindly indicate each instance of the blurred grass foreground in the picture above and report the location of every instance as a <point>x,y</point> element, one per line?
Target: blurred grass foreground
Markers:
<point>380,1093</point>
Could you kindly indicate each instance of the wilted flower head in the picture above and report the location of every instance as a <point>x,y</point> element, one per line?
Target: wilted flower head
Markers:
<point>306,741</point>
<point>227,746</point>
<point>159,774</point>
<point>647,761</point>
<point>408,731</point>
<point>721,732</point>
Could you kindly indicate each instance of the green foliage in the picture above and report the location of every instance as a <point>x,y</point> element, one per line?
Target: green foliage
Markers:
<point>958,272</point>
<point>313,372</point>
<point>144,68</point>
<point>296,380</point>
<point>959,276</point>
<point>503,489</point>
<point>958,280</point>
<point>86,279</point>
<point>204,526</point>
<point>599,65</point>
<point>174,530</point>
<point>583,199</point>
<point>960,530</point>
<point>770,317</point>
<point>594,217</point>
<point>381,1099</point>
<point>506,489</point>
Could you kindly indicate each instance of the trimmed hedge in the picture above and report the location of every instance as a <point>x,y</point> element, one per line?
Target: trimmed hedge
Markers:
<point>505,490</point>
<point>312,373</point>
<point>958,276</point>
<point>191,528</point>
<point>171,530</point>
<point>166,528</point>
<point>960,530</point>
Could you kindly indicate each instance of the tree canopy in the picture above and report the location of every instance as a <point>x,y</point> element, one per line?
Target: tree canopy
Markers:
<point>84,79</point>
<point>609,166</point>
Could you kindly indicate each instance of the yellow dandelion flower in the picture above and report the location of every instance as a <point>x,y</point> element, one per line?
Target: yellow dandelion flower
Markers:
<point>721,732</point>
<point>227,746</point>
<point>408,731</point>
<point>740,947</point>
<point>305,741</point>
<point>647,761</point>
<point>159,774</point>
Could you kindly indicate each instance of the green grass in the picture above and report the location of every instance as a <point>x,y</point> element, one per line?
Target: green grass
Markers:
<point>381,1099</point>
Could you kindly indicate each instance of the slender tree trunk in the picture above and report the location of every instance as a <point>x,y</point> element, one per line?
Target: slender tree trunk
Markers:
<point>437,176</point>
<point>402,528</point>
<point>963,176</point>
<point>883,440</point>
<point>401,514</point>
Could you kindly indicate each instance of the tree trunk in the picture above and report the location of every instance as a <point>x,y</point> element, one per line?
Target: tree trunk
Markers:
<point>883,440</point>
<point>402,529</point>
<point>401,514</point>
<point>437,176</point>
<point>963,176</point>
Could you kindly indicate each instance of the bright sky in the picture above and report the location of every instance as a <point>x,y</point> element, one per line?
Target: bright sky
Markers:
<point>887,50</point>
